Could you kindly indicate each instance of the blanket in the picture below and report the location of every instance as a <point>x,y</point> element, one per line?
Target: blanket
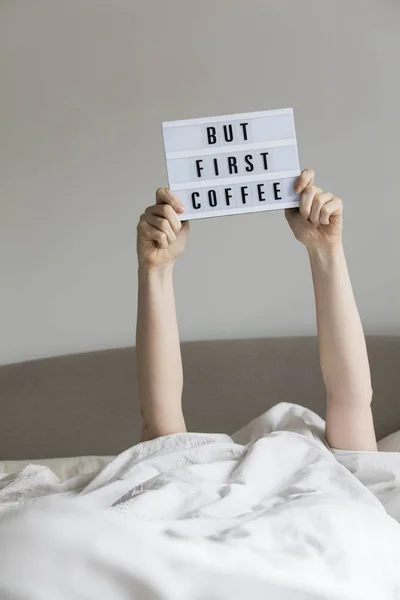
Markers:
<point>270,512</point>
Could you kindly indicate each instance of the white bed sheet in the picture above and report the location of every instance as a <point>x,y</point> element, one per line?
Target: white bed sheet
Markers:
<point>63,468</point>
<point>270,512</point>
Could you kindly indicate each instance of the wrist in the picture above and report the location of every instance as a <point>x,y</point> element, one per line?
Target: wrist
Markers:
<point>329,254</point>
<point>159,271</point>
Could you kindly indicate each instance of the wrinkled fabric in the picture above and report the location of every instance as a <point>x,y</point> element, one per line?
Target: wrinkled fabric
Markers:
<point>268,512</point>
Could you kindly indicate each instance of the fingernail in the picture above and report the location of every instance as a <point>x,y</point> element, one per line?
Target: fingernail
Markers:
<point>181,208</point>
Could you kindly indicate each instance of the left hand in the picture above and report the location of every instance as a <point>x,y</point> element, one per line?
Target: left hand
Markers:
<point>318,221</point>
<point>161,236</point>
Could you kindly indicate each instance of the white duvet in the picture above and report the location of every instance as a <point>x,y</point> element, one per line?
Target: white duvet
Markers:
<point>270,513</point>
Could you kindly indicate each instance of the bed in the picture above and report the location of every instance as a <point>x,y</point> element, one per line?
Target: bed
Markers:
<point>268,510</point>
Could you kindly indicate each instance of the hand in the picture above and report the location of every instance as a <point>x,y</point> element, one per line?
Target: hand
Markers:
<point>161,236</point>
<point>318,222</point>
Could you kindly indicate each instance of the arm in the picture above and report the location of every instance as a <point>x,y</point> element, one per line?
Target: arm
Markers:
<point>161,238</point>
<point>343,355</point>
<point>342,349</point>
<point>158,356</point>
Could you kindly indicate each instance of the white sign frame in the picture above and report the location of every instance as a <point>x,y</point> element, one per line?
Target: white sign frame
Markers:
<point>187,149</point>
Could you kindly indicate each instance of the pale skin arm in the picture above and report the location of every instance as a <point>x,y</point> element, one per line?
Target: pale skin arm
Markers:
<point>161,238</point>
<point>343,354</point>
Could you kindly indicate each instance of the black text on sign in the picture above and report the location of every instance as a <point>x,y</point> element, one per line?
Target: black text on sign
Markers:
<point>234,163</point>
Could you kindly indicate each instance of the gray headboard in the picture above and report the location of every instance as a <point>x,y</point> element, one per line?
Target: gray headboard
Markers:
<point>88,404</point>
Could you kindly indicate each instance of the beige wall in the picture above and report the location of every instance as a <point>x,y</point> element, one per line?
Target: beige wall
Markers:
<point>84,88</point>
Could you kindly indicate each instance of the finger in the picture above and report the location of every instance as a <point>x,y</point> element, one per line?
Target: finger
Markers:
<point>331,209</point>
<point>185,225</point>
<point>319,201</point>
<point>161,224</point>
<point>165,196</point>
<point>153,234</point>
<point>305,179</point>
<point>290,213</point>
<point>167,212</point>
<point>306,200</point>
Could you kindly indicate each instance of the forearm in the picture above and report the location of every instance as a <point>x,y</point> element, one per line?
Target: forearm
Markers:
<point>343,353</point>
<point>159,365</point>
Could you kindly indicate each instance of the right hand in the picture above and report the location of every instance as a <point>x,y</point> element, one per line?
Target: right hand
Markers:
<point>161,236</point>
<point>318,221</point>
